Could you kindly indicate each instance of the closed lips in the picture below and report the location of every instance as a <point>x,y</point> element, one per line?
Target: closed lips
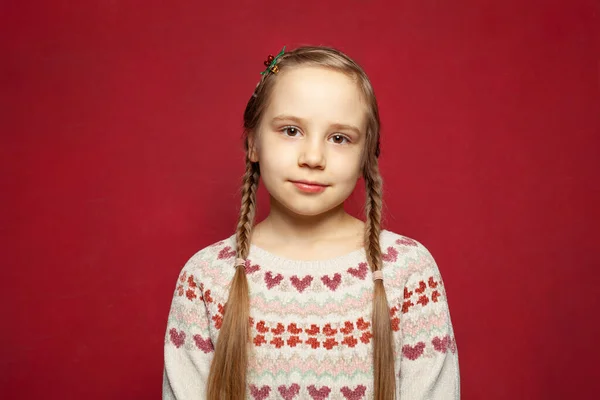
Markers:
<point>311,183</point>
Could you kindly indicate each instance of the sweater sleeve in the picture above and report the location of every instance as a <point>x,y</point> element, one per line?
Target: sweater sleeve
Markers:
<point>188,347</point>
<point>429,359</point>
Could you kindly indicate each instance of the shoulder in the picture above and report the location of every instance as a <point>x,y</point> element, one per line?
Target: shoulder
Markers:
<point>210,260</point>
<point>410,272</point>
<point>406,258</point>
<point>394,244</point>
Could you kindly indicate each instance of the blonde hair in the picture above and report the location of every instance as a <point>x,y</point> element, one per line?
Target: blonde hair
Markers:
<point>227,378</point>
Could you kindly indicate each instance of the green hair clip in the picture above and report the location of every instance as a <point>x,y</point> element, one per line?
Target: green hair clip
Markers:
<point>271,61</point>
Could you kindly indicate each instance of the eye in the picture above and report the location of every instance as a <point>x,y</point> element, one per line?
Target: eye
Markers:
<point>291,131</point>
<point>339,139</point>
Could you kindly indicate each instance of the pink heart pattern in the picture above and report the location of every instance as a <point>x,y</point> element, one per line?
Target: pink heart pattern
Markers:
<point>360,272</point>
<point>391,255</point>
<point>332,283</point>
<point>272,282</point>
<point>177,338</point>
<point>300,285</point>
<point>413,352</point>
<point>206,345</point>
<point>226,252</point>
<point>356,394</point>
<point>260,394</point>
<point>289,393</point>
<point>318,394</point>
<point>445,344</point>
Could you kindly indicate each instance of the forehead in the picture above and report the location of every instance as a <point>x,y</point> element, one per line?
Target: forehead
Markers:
<point>319,95</point>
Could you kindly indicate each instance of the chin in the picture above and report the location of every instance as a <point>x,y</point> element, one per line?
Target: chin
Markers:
<point>312,212</point>
<point>310,207</point>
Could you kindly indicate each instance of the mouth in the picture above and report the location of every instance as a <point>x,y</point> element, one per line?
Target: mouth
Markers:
<point>311,183</point>
<point>309,186</point>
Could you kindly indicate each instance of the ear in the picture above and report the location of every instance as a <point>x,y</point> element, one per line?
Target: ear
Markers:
<point>252,151</point>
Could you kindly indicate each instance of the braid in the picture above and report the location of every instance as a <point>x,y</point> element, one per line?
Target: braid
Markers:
<point>227,377</point>
<point>373,186</point>
<point>248,209</point>
<point>383,348</point>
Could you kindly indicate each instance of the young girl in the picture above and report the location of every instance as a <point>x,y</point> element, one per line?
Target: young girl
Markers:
<point>311,303</point>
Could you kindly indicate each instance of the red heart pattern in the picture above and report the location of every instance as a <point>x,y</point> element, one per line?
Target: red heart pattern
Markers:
<point>413,352</point>
<point>251,268</point>
<point>360,272</point>
<point>260,394</point>
<point>226,252</point>
<point>301,284</point>
<point>177,338</point>
<point>444,344</point>
<point>206,345</point>
<point>318,394</point>
<point>356,394</point>
<point>289,393</point>
<point>391,255</point>
<point>272,281</point>
<point>406,241</point>
<point>332,283</point>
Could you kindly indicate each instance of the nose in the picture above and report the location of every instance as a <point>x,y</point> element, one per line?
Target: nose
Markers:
<point>312,154</point>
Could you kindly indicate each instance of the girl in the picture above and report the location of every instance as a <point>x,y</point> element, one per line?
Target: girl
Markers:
<point>311,303</point>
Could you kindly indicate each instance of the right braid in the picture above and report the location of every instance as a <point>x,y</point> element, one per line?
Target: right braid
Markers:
<point>227,377</point>
<point>248,209</point>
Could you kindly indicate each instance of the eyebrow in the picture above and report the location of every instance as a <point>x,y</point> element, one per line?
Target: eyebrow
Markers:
<point>282,118</point>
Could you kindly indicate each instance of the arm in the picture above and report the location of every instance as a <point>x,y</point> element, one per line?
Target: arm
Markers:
<point>429,359</point>
<point>188,348</point>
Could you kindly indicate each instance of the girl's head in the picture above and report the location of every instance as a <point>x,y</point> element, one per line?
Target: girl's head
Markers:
<point>326,87</point>
<point>312,128</point>
<point>317,121</point>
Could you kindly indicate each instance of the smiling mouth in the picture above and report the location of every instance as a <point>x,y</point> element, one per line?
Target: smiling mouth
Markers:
<point>310,187</point>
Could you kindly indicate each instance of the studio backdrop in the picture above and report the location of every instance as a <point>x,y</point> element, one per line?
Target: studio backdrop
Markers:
<point>121,156</point>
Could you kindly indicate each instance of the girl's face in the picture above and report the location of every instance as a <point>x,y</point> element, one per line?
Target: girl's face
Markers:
<point>312,132</point>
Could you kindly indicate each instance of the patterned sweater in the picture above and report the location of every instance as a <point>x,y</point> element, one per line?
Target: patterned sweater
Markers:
<point>311,324</point>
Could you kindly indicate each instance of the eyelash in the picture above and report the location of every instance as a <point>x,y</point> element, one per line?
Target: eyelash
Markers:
<point>346,138</point>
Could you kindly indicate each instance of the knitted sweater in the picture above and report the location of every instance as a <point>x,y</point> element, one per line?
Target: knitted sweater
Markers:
<point>311,324</point>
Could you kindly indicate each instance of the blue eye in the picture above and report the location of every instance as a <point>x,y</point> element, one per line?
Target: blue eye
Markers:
<point>291,131</point>
<point>340,139</point>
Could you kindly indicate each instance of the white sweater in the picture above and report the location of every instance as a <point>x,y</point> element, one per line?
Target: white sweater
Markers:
<point>311,324</point>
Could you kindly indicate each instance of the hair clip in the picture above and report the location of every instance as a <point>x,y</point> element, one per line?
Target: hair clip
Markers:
<point>377,275</point>
<point>271,62</point>
<point>239,262</point>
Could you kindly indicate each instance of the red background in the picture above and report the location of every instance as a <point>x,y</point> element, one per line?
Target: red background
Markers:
<point>121,156</point>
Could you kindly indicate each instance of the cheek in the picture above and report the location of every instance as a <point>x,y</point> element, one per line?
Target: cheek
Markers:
<point>347,168</point>
<point>274,158</point>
